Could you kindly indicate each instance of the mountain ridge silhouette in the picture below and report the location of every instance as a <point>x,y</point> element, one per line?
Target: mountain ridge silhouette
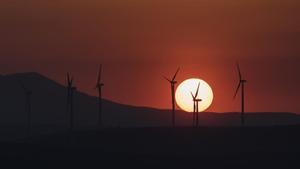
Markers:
<point>49,108</point>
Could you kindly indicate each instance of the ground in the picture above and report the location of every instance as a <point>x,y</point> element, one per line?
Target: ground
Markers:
<point>184,147</point>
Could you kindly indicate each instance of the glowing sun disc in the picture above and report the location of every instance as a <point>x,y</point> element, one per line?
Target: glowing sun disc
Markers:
<point>184,98</point>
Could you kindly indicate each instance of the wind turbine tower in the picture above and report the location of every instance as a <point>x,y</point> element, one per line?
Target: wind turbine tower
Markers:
<point>99,86</point>
<point>173,83</point>
<point>70,99</point>
<point>28,94</point>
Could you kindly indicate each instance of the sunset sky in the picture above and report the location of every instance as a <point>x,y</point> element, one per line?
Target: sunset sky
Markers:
<point>138,41</point>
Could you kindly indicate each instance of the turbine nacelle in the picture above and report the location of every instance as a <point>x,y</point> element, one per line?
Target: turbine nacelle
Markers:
<point>99,85</point>
<point>70,81</point>
<point>196,99</point>
<point>25,89</point>
<point>172,81</point>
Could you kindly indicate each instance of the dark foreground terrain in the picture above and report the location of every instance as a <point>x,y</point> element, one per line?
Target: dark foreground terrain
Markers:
<point>212,147</point>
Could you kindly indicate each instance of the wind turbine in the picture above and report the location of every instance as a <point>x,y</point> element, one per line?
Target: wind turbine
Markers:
<point>173,83</point>
<point>99,86</point>
<point>241,85</point>
<point>196,107</point>
<point>70,100</point>
<point>28,94</point>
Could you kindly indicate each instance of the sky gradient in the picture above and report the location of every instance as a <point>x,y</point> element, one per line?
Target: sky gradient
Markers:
<point>138,41</point>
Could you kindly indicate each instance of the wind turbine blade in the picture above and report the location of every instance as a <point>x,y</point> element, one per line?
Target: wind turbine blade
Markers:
<point>68,78</point>
<point>239,70</point>
<point>175,74</point>
<point>166,78</point>
<point>197,90</point>
<point>237,90</point>
<point>99,74</point>
<point>192,95</point>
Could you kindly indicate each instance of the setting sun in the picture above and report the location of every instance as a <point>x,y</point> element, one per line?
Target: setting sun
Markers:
<point>184,98</point>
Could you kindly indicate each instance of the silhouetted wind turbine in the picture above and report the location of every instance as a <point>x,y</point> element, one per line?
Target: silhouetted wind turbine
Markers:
<point>173,82</point>
<point>196,107</point>
<point>70,100</point>
<point>241,85</point>
<point>99,86</point>
<point>28,94</point>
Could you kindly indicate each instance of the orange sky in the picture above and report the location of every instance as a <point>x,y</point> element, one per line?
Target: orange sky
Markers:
<point>139,40</point>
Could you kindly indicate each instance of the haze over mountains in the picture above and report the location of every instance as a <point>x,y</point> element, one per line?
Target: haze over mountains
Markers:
<point>49,109</point>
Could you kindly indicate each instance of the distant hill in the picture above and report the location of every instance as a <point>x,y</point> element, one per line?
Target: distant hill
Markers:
<point>49,108</point>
